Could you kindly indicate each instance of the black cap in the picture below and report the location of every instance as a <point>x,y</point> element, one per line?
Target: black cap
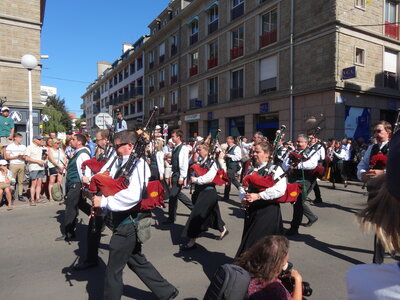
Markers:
<point>392,166</point>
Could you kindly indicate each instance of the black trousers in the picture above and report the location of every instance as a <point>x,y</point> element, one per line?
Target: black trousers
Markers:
<point>174,195</point>
<point>231,172</point>
<point>300,208</point>
<point>125,249</point>
<point>379,251</point>
<point>93,238</point>
<point>74,202</point>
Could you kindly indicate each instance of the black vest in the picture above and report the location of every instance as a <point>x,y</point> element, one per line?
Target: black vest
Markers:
<point>72,169</point>
<point>229,161</point>
<point>175,158</point>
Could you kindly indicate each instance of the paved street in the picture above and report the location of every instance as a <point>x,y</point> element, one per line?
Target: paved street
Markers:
<point>34,266</point>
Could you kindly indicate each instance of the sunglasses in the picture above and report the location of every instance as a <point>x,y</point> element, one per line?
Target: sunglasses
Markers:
<point>377,130</point>
<point>117,146</point>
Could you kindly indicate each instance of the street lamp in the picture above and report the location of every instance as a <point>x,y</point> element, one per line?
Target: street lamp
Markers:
<point>29,62</point>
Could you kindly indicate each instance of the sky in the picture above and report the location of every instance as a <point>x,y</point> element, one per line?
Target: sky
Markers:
<point>77,34</point>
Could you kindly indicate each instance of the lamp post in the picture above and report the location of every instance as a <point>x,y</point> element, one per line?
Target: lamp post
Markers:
<point>29,62</point>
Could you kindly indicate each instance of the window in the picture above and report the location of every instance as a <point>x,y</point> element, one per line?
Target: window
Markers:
<point>237,9</point>
<point>194,31</point>
<point>268,74</point>
<point>360,3</point>
<point>161,52</point>
<point>174,100</point>
<point>269,22</point>
<point>132,68</point>
<point>151,104</point>
<point>139,62</point>
<point>174,73</point>
<point>132,108</point>
<point>151,83</point>
<point>212,54</point>
<point>391,17</point>
<point>161,75</point>
<point>120,78</point>
<point>126,72</point>
<point>110,83</point>
<point>212,90</point>
<point>360,56</point>
<point>390,69</point>
<point>126,110</point>
<point>194,62</point>
<point>237,43</point>
<point>194,101</point>
<point>151,59</point>
<point>237,84</point>
<point>162,101</point>
<point>213,13</point>
<point>174,44</point>
<point>140,105</point>
<point>115,79</point>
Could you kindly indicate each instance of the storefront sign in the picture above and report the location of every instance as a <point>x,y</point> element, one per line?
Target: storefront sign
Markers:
<point>193,117</point>
<point>264,107</point>
<point>348,73</point>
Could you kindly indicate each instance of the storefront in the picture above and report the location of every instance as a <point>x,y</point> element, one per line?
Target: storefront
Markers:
<point>268,124</point>
<point>236,126</point>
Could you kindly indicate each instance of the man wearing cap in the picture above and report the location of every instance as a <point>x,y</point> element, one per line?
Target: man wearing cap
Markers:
<point>121,123</point>
<point>33,155</point>
<point>6,127</point>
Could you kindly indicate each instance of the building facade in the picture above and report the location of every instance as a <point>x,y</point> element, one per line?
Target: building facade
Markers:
<point>20,30</point>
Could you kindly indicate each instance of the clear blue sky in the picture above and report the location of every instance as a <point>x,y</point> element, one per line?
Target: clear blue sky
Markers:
<point>78,34</point>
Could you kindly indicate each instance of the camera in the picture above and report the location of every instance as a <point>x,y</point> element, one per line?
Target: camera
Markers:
<point>288,282</point>
<point>44,154</point>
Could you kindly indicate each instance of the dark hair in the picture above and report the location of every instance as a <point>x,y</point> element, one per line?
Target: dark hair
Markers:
<point>178,132</point>
<point>126,136</point>
<point>265,147</point>
<point>386,125</point>
<point>17,135</point>
<point>80,137</point>
<point>265,259</point>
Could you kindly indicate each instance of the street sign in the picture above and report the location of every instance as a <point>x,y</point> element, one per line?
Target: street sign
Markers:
<point>45,118</point>
<point>103,120</point>
<point>348,73</point>
<point>16,116</point>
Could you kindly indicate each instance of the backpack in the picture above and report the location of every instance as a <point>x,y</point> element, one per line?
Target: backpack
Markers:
<point>230,282</point>
<point>56,192</point>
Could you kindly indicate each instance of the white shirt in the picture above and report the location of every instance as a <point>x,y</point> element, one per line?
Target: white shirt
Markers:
<point>347,149</point>
<point>132,195</point>
<point>320,152</point>
<point>160,162</point>
<point>82,157</point>
<point>208,177</point>
<point>363,165</point>
<point>8,175</point>
<point>35,152</point>
<point>373,282</point>
<point>309,164</point>
<point>123,126</point>
<point>237,153</point>
<point>183,162</point>
<point>14,150</point>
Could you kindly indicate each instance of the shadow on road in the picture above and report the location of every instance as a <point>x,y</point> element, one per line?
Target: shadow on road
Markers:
<point>330,248</point>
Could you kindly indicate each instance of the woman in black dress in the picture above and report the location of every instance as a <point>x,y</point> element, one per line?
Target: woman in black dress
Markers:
<point>263,216</point>
<point>205,213</point>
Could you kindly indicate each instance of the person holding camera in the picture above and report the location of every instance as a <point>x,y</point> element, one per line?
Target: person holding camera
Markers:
<point>265,261</point>
<point>34,156</point>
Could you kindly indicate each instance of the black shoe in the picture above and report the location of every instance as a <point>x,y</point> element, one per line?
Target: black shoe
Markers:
<point>21,199</point>
<point>318,200</point>
<point>309,223</point>
<point>174,294</point>
<point>84,266</point>
<point>187,248</point>
<point>61,238</point>
<point>292,231</point>
<point>168,221</point>
<point>66,237</point>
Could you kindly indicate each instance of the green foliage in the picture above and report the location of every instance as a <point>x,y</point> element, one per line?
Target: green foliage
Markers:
<point>59,105</point>
<point>54,124</point>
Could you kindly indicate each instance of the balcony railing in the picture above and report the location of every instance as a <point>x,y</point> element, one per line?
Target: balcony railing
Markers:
<point>212,62</point>
<point>151,65</point>
<point>236,93</point>
<point>194,38</point>
<point>267,85</point>
<point>151,89</point>
<point>161,84</point>
<point>193,70</point>
<point>391,80</point>
<point>268,38</point>
<point>195,103</point>
<point>174,107</point>
<point>237,52</point>
<point>174,79</point>
<point>174,50</point>
<point>161,58</point>
<point>213,26</point>
<point>392,30</point>
<point>212,99</point>
<point>237,11</point>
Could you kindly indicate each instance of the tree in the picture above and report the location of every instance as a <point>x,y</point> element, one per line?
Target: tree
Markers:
<point>59,105</point>
<point>54,124</point>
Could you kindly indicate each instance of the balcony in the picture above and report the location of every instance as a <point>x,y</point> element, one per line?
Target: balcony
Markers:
<point>161,59</point>
<point>174,107</point>
<point>213,26</point>
<point>161,84</point>
<point>132,92</point>
<point>151,65</point>
<point>237,52</point>
<point>174,50</point>
<point>212,62</point>
<point>139,91</point>
<point>193,70</point>
<point>212,99</point>
<point>195,103</point>
<point>174,79</point>
<point>392,30</point>
<point>390,80</point>
<point>268,38</point>
<point>126,96</point>
<point>161,110</point>
<point>236,93</point>
<point>96,95</point>
<point>194,38</point>
<point>237,11</point>
<point>151,89</point>
<point>267,85</point>
<point>96,109</point>
<point>120,98</point>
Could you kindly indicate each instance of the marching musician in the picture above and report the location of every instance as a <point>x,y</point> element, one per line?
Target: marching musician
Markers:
<point>233,156</point>
<point>180,164</point>
<point>372,165</point>
<point>301,173</point>
<point>124,245</point>
<point>73,199</point>
<point>263,216</point>
<point>206,211</point>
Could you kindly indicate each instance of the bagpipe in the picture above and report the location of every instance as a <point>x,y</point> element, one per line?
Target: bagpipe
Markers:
<point>279,134</point>
<point>152,193</point>
<point>221,178</point>
<point>261,183</point>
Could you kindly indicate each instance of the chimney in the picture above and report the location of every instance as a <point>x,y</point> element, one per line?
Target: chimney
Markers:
<point>101,67</point>
<point>126,46</point>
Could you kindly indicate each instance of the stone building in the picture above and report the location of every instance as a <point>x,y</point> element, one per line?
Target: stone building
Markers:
<point>20,30</point>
